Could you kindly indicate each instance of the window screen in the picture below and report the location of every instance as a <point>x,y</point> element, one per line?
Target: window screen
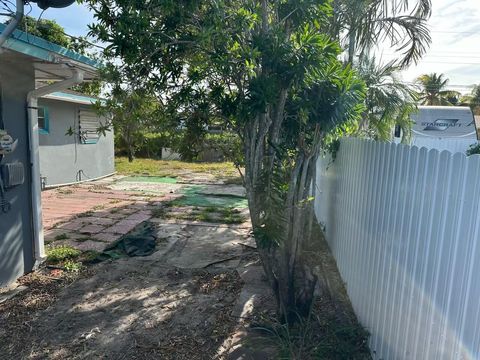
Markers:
<point>43,123</point>
<point>88,123</point>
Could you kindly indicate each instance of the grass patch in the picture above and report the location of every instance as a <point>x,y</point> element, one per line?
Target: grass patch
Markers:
<point>86,214</point>
<point>159,212</point>
<point>173,168</point>
<point>61,237</point>
<point>212,214</point>
<point>233,216</point>
<point>151,179</point>
<point>315,338</point>
<point>62,253</point>
<point>89,256</point>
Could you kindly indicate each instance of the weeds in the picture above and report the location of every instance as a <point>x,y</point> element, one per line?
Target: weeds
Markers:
<point>86,214</point>
<point>65,191</point>
<point>212,214</point>
<point>315,338</point>
<point>62,253</point>
<point>159,212</point>
<point>69,258</point>
<point>89,256</point>
<point>72,266</point>
<point>232,216</point>
<point>61,237</point>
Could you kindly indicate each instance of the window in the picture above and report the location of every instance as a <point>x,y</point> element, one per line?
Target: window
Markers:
<point>88,123</point>
<point>43,121</point>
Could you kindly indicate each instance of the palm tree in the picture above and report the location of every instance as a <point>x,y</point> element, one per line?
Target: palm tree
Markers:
<point>361,24</point>
<point>433,90</point>
<point>388,102</point>
<point>472,100</point>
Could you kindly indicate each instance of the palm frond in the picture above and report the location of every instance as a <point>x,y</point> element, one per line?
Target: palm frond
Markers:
<point>401,22</point>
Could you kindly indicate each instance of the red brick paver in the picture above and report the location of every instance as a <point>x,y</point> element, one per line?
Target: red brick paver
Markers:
<point>89,217</point>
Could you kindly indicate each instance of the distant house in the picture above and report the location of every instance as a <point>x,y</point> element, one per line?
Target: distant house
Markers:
<point>66,159</point>
<point>32,72</point>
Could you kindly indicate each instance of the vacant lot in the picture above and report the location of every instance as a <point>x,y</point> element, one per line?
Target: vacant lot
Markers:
<point>177,169</point>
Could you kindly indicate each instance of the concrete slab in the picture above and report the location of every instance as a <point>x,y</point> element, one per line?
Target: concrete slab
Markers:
<point>92,229</point>
<point>232,190</point>
<point>208,245</point>
<point>146,188</point>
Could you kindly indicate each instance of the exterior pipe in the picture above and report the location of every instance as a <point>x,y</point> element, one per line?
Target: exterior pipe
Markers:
<point>32,107</point>
<point>13,24</point>
<point>55,186</point>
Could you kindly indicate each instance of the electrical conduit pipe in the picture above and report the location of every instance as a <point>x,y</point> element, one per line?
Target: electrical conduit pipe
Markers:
<point>32,107</point>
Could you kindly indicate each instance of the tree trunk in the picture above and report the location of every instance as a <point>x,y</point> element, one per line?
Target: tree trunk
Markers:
<point>281,219</point>
<point>283,252</point>
<point>131,153</point>
<point>351,46</point>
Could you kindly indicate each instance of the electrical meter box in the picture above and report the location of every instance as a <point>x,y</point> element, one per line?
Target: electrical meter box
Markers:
<point>13,174</point>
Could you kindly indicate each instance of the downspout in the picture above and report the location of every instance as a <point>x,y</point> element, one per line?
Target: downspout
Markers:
<point>13,24</point>
<point>32,107</point>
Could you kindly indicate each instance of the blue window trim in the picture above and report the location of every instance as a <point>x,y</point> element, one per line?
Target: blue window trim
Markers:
<point>90,142</point>
<point>45,130</point>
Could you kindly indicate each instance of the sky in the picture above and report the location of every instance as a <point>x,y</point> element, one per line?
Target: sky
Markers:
<point>454,25</point>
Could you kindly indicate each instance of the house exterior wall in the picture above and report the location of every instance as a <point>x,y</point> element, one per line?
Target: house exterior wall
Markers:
<point>63,158</point>
<point>16,233</point>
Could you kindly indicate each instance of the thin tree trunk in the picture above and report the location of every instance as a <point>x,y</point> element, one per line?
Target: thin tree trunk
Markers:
<point>351,46</point>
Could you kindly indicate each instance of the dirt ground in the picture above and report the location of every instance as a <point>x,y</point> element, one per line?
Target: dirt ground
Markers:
<point>200,295</point>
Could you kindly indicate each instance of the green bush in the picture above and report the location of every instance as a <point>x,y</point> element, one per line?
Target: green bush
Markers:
<point>474,149</point>
<point>209,147</point>
<point>148,145</point>
<point>227,146</point>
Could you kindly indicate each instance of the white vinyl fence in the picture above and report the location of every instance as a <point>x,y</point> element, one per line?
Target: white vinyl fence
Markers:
<point>404,226</point>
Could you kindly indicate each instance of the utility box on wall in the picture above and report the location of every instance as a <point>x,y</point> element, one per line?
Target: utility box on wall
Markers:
<point>12,174</point>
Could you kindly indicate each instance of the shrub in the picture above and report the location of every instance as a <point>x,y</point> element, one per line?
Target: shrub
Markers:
<point>148,145</point>
<point>228,146</point>
<point>474,149</point>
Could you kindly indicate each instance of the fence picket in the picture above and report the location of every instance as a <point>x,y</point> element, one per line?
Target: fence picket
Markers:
<point>403,224</point>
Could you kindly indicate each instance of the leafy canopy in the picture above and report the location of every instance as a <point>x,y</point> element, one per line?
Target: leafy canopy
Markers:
<point>267,70</point>
<point>389,101</point>
<point>224,59</point>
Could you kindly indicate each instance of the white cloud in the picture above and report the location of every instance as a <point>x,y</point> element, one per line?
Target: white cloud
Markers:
<point>455,49</point>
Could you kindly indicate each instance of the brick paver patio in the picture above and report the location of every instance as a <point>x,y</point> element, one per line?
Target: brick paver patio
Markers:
<point>90,216</point>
